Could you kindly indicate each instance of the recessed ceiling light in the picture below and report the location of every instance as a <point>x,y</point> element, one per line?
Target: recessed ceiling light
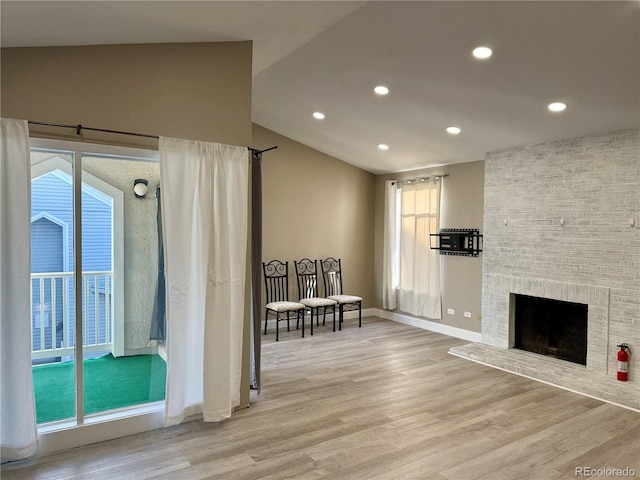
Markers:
<point>381,90</point>
<point>382,146</point>
<point>453,130</point>
<point>318,115</point>
<point>557,106</point>
<point>482,52</point>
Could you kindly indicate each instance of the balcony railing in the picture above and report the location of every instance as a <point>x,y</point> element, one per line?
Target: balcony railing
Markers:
<point>53,313</point>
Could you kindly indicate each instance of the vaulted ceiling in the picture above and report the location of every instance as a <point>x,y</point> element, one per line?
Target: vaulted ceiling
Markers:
<point>328,56</point>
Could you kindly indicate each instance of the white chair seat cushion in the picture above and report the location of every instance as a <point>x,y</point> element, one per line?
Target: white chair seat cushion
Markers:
<point>345,298</point>
<point>284,306</point>
<point>317,302</point>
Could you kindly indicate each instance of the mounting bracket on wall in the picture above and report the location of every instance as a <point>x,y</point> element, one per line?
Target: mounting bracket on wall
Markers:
<point>465,242</point>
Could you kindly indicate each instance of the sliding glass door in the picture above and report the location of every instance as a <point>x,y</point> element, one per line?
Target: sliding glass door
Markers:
<point>94,267</point>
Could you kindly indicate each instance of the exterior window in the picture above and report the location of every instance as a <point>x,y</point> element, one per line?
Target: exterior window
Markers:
<point>412,216</point>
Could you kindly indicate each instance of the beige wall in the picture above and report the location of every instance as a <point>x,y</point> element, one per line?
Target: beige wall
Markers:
<point>461,207</point>
<point>200,91</point>
<point>197,91</point>
<point>317,206</point>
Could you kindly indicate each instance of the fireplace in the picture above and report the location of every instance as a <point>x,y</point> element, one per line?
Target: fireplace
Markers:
<point>596,378</point>
<point>551,327</point>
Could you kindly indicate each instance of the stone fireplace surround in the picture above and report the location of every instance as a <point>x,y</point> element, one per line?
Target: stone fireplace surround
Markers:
<point>498,339</point>
<point>558,223</point>
<point>500,333</point>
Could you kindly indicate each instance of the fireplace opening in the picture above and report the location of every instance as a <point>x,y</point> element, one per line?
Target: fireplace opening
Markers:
<point>551,327</point>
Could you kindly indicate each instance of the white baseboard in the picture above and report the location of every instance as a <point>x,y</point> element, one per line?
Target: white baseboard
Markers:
<point>366,312</point>
<point>427,325</point>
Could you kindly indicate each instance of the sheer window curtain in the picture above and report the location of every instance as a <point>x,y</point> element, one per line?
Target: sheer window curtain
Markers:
<point>390,249</point>
<point>204,213</point>
<point>419,292</point>
<point>18,432</point>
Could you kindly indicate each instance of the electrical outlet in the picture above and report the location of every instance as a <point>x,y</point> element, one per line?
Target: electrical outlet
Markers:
<point>467,314</point>
<point>451,311</point>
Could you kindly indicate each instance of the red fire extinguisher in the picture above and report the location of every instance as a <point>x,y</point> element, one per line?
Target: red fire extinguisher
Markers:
<point>623,362</point>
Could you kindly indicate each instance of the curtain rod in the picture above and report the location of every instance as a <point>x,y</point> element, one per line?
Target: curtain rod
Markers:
<point>422,179</point>
<point>80,127</point>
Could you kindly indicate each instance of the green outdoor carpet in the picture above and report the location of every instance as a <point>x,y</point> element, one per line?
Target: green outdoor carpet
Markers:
<point>108,383</point>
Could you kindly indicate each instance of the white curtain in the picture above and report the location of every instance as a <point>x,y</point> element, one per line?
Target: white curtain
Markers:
<point>419,292</point>
<point>18,432</point>
<point>390,249</point>
<point>205,217</point>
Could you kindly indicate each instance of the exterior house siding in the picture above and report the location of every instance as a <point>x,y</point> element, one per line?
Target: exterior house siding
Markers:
<point>52,198</point>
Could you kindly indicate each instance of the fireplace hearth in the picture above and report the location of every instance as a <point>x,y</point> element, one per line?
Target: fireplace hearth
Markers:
<point>596,379</point>
<point>551,327</point>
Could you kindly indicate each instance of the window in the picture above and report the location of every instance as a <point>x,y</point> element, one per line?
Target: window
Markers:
<point>412,268</point>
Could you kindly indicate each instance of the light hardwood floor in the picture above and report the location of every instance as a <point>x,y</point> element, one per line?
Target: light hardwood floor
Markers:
<point>385,401</point>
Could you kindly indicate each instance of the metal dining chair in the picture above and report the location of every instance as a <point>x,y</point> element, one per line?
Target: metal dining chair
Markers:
<point>276,282</point>
<point>332,275</point>
<point>307,281</point>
